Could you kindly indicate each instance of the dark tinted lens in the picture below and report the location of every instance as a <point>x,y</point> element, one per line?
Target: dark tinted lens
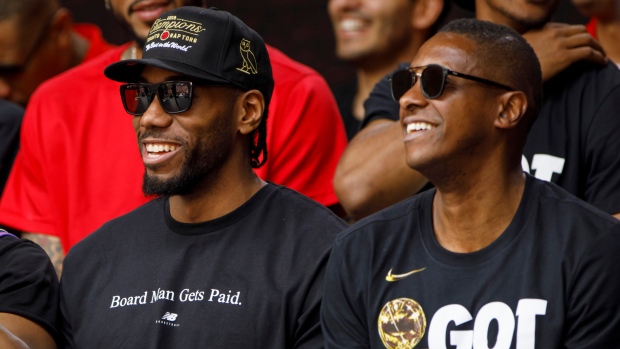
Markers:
<point>175,97</point>
<point>402,81</point>
<point>432,81</point>
<point>136,98</point>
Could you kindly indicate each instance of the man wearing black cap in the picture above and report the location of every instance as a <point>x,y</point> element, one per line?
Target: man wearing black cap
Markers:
<point>222,258</point>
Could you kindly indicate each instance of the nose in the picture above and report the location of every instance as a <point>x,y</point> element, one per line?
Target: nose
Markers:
<point>5,89</point>
<point>341,5</point>
<point>413,98</point>
<point>155,116</point>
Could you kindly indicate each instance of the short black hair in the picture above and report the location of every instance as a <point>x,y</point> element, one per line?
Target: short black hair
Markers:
<point>509,58</point>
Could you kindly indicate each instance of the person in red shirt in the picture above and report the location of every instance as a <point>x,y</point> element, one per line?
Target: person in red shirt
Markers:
<point>79,165</point>
<point>40,41</point>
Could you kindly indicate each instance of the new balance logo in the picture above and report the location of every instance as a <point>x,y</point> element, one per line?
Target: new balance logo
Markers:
<point>169,316</point>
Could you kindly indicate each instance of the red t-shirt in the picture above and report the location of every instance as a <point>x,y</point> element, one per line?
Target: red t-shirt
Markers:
<point>79,164</point>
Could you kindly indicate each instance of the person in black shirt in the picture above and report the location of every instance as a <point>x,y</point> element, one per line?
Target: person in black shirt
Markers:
<point>573,149</point>
<point>10,122</point>
<point>492,257</point>
<point>222,258</point>
<point>28,295</point>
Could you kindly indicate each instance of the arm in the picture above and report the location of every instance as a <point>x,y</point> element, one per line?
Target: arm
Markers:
<point>51,245</point>
<point>17,332</point>
<point>559,45</point>
<point>372,173</point>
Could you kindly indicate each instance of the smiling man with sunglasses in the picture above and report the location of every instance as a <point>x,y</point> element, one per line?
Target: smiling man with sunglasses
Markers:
<point>492,257</point>
<point>222,259</point>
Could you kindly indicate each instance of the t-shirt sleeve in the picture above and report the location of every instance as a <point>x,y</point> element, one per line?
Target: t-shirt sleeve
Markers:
<point>306,141</point>
<point>602,145</point>
<point>25,202</point>
<point>10,123</point>
<point>593,316</point>
<point>343,309</point>
<point>28,283</point>
<point>380,104</point>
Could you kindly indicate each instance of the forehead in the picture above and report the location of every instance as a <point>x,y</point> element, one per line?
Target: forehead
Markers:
<point>450,50</point>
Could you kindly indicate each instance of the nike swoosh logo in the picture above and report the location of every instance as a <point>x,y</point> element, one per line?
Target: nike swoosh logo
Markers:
<point>395,277</point>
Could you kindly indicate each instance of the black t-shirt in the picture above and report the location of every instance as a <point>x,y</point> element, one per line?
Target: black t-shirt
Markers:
<point>575,140</point>
<point>345,95</point>
<point>550,280</point>
<point>10,122</point>
<point>28,283</point>
<point>250,279</point>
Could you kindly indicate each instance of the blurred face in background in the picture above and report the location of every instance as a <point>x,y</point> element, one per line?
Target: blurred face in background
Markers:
<point>367,29</point>
<point>33,50</point>
<point>520,15</point>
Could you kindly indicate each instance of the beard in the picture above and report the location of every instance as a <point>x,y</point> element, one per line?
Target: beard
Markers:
<point>202,163</point>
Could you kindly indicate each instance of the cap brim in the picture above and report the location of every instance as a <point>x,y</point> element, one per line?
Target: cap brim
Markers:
<point>130,70</point>
<point>469,5</point>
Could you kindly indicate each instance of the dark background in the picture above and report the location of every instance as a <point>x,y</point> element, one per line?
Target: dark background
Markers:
<point>299,28</point>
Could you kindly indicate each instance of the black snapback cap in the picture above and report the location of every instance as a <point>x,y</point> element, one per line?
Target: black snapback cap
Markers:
<point>208,44</point>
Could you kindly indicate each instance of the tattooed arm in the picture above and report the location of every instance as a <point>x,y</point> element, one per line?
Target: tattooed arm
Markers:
<point>51,245</point>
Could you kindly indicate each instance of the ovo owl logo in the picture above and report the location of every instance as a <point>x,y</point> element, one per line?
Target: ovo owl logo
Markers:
<point>249,61</point>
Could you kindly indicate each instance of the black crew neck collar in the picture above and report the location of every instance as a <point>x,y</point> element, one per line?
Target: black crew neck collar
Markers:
<point>453,259</point>
<point>217,224</point>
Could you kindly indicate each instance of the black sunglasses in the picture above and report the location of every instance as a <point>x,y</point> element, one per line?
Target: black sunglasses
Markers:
<point>13,69</point>
<point>174,96</point>
<point>432,80</point>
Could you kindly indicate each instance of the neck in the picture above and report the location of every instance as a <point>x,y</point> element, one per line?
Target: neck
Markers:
<point>471,212</point>
<point>218,194</point>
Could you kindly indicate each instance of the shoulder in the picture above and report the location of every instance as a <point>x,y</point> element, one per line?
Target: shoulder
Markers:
<point>117,234</point>
<point>569,206</point>
<point>22,253</point>
<point>288,202</point>
<point>387,225</point>
<point>570,224</point>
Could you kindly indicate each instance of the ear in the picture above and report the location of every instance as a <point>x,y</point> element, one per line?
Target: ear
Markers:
<point>252,106</point>
<point>511,109</point>
<point>425,13</point>
<point>62,28</point>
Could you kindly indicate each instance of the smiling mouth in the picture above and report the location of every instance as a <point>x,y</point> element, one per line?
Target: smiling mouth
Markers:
<point>351,24</point>
<point>419,126</point>
<point>155,150</point>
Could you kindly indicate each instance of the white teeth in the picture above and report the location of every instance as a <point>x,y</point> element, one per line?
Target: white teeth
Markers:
<point>158,148</point>
<point>418,126</point>
<point>351,24</point>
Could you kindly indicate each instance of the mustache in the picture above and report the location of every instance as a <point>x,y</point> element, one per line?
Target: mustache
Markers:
<point>161,135</point>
